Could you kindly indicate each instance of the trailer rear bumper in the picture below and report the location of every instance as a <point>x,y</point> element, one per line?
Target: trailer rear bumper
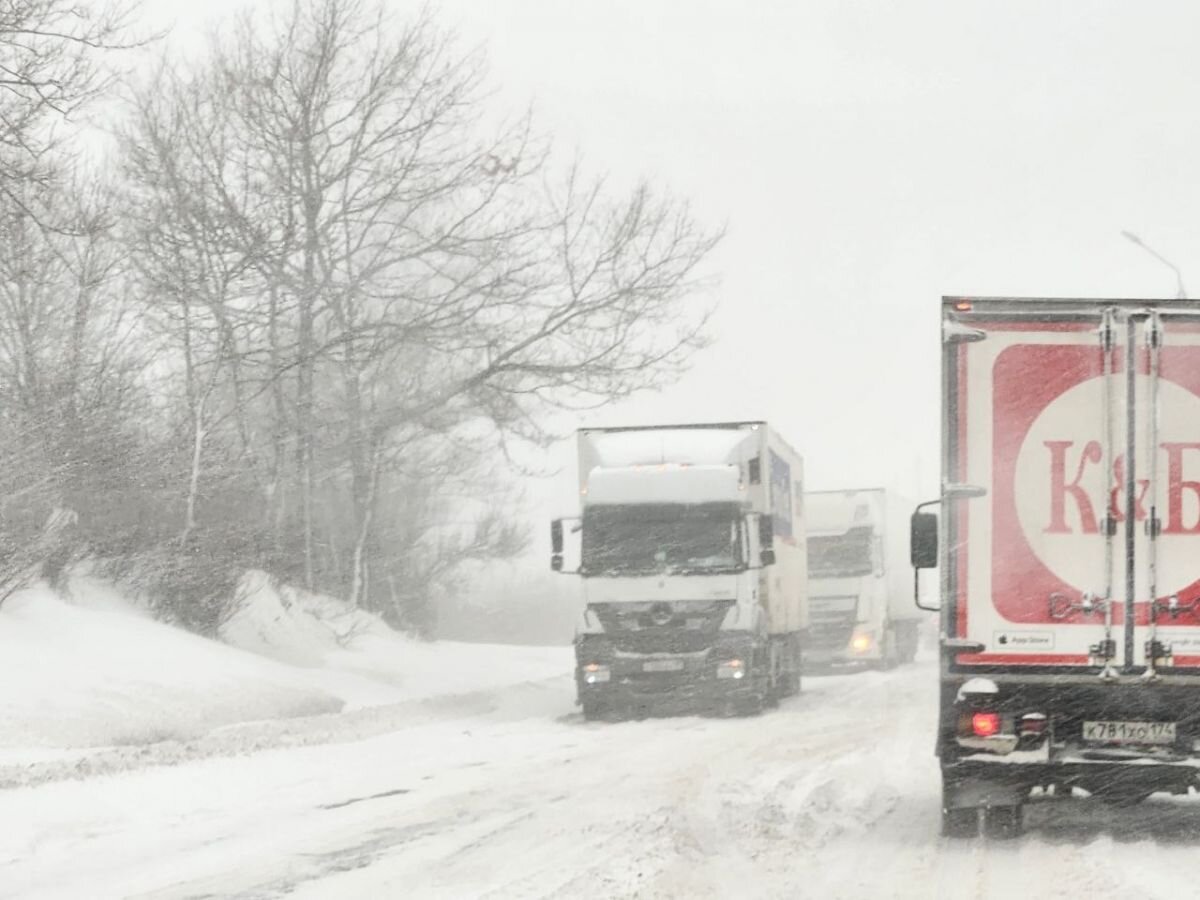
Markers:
<point>1003,781</point>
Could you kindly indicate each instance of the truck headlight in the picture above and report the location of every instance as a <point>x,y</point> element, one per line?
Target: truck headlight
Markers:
<point>594,673</point>
<point>731,668</point>
<point>861,642</point>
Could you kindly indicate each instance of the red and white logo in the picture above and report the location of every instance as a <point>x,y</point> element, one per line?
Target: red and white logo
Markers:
<point>1054,486</point>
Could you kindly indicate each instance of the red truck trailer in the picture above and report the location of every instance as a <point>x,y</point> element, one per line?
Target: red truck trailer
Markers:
<point>1067,537</point>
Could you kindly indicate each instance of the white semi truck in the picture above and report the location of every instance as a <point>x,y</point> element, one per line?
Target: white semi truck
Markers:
<point>692,557</point>
<point>1068,537</point>
<point>859,580</point>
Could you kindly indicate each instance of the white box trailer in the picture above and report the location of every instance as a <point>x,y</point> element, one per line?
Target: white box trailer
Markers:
<point>692,555</point>
<point>859,579</point>
<point>1069,552</point>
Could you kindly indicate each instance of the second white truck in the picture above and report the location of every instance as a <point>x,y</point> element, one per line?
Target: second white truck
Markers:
<point>859,580</point>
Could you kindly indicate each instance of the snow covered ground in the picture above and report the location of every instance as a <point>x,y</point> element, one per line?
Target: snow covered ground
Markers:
<point>505,792</point>
<point>317,754</point>
<point>89,681</point>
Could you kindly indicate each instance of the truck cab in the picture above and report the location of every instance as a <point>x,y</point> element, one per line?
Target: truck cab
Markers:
<point>860,609</point>
<point>691,566</point>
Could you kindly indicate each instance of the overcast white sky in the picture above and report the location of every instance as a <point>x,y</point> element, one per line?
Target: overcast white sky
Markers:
<point>868,158</point>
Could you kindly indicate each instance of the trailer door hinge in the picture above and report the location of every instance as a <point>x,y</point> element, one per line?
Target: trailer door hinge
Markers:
<point>1107,335</point>
<point>957,333</point>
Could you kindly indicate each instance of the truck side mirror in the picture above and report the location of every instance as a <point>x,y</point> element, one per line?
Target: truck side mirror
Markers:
<point>923,540</point>
<point>556,545</point>
<point>766,540</point>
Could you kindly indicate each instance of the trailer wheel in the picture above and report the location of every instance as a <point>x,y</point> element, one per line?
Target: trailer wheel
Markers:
<point>1003,822</point>
<point>961,822</point>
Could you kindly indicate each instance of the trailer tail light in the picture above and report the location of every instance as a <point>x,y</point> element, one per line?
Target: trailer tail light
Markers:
<point>985,724</point>
<point>963,305</point>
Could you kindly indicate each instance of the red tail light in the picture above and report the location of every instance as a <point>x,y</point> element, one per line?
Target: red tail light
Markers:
<point>985,724</point>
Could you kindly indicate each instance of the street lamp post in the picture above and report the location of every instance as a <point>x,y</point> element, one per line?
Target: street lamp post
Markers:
<point>1180,291</point>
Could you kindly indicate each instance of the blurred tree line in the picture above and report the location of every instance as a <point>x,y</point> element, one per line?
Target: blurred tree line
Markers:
<point>296,316</point>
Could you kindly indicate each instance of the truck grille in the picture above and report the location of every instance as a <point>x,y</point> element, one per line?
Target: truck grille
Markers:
<point>831,621</point>
<point>678,626</point>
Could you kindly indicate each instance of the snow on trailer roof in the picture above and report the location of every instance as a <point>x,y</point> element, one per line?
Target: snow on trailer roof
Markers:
<point>1066,305</point>
<point>654,446</point>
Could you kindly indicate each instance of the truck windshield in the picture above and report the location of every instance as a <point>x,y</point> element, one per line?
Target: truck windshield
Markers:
<point>661,538</point>
<point>840,555</point>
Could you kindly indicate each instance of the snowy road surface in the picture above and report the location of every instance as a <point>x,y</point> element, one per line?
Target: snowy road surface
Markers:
<point>511,795</point>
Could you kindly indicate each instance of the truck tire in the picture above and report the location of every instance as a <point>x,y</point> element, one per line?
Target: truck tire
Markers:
<point>753,703</point>
<point>1003,823</point>
<point>909,643</point>
<point>751,706</point>
<point>594,709</point>
<point>961,822</point>
<point>793,681</point>
<point>889,658</point>
<point>789,677</point>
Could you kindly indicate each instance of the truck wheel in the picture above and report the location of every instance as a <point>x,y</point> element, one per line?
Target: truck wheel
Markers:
<point>1003,822</point>
<point>752,704</point>
<point>890,657</point>
<point>910,643</point>
<point>594,709</point>
<point>789,675</point>
<point>962,822</point>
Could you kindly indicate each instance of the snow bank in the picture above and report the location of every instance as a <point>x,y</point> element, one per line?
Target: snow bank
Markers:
<point>91,669</point>
<point>361,659</point>
<point>272,622</point>
<point>98,674</point>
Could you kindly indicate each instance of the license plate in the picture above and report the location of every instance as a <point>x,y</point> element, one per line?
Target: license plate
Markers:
<point>1129,732</point>
<point>662,665</point>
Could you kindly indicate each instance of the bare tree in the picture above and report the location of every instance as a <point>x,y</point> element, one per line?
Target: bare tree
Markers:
<point>392,272</point>
<point>70,371</point>
<point>49,68</point>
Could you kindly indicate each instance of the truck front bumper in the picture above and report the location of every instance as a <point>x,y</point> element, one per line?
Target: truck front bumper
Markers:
<point>696,681</point>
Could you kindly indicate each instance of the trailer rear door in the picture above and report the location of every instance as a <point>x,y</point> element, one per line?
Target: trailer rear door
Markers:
<point>1082,420</point>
